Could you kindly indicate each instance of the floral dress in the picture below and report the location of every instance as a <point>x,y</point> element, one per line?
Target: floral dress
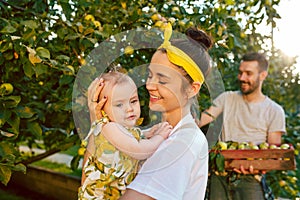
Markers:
<point>108,171</point>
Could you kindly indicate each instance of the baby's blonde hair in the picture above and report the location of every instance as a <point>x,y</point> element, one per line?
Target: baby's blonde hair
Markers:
<point>115,77</point>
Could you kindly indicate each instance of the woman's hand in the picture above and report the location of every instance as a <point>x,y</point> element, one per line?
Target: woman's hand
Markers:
<point>96,104</point>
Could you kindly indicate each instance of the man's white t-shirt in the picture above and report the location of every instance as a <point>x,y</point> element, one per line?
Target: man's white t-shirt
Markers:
<point>178,170</point>
<point>248,122</point>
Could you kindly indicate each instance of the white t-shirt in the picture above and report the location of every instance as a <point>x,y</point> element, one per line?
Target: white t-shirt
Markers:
<point>248,122</point>
<point>178,169</point>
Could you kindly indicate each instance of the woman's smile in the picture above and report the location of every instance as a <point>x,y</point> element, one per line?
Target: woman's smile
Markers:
<point>154,98</point>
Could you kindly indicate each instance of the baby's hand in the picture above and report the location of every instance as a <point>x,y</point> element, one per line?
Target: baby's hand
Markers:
<point>163,129</point>
<point>152,131</point>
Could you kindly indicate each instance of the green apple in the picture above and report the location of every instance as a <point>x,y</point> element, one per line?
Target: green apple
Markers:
<point>6,88</point>
<point>223,145</point>
<point>264,145</point>
<point>255,147</point>
<point>233,146</point>
<point>274,146</point>
<point>129,50</point>
<point>244,145</point>
<point>284,146</point>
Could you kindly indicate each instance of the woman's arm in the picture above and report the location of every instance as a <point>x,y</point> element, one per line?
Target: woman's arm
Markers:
<point>123,141</point>
<point>88,152</point>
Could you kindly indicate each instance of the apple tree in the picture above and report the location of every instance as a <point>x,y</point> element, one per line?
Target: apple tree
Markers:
<point>44,44</point>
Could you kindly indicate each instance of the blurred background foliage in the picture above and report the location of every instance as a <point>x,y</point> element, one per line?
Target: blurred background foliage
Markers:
<point>44,43</point>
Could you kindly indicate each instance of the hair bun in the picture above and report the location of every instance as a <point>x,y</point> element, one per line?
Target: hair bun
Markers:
<point>200,37</point>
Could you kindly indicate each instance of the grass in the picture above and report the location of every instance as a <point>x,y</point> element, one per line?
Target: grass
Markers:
<point>57,167</point>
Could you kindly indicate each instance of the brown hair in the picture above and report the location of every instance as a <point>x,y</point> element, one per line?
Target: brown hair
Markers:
<point>263,63</point>
<point>196,46</point>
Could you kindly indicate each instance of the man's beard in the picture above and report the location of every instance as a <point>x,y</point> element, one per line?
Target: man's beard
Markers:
<point>252,87</point>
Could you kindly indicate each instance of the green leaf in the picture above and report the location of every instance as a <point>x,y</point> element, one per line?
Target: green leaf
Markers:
<point>28,69</point>
<point>35,129</point>
<point>14,122</point>
<point>10,159</point>
<point>24,112</point>
<point>8,55</point>
<point>64,80</point>
<point>10,101</point>
<point>42,52</point>
<point>220,162</point>
<point>72,36</point>
<point>63,58</point>
<point>29,34</point>
<point>30,23</point>
<point>6,149</point>
<point>62,32</point>
<point>5,174</point>
<point>88,31</point>
<point>212,155</point>
<point>5,46</point>
<point>75,162</point>
<point>93,40</point>
<point>40,7</point>
<point>19,167</point>
<point>67,9</point>
<point>4,115</point>
<point>8,29</point>
<point>40,69</point>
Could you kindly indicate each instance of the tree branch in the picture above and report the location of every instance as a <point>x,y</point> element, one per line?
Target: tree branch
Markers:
<point>13,6</point>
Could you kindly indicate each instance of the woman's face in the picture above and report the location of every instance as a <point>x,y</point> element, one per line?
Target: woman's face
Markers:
<point>164,84</point>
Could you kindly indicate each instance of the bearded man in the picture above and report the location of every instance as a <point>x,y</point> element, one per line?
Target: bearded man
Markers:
<point>248,116</point>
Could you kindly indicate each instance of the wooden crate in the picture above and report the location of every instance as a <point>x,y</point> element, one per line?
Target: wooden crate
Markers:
<point>264,159</point>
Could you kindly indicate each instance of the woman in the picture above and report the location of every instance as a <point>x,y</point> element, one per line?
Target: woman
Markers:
<point>115,143</point>
<point>179,167</point>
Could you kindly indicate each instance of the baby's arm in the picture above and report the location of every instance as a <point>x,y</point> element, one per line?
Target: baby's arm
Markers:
<point>151,131</point>
<point>123,141</point>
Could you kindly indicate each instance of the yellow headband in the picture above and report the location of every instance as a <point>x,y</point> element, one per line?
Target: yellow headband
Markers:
<point>178,57</point>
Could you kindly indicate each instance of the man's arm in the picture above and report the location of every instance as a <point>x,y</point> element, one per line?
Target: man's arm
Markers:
<point>274,138</point>
<point>209,115</point>
<point>277,126</point>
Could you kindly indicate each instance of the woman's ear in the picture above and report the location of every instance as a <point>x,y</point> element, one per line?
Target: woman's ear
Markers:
<point>194,89</point>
